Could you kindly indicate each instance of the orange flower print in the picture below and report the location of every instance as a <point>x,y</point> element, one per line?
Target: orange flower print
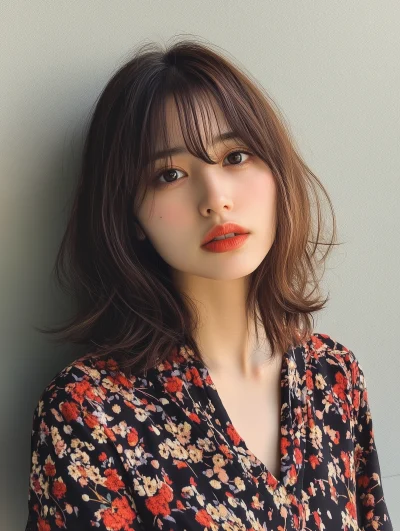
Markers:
<point>204,518</point>
<point>43,525</point>
<point>91,420</point>
<point>70,411</point>
<point>233,434</point>
<point>113,481</point>
<point>59,488</point>
<point>119,516</point>
<point>110,434</point>
<point>340,387</point>
<point>81,390</point>
<point>132,437</point>
<point>158,504</point>
<point>174,384</point>
<point>49,467</point>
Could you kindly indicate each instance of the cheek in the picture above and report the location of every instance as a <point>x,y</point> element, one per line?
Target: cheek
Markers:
<point>261,193</point>
<point>167,219</point>
<point>172,217</point>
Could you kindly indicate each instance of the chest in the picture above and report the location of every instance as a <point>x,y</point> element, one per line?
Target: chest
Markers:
<point>254,411</point>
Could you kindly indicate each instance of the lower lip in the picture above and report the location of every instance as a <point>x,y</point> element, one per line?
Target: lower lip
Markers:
<point>228,244</point>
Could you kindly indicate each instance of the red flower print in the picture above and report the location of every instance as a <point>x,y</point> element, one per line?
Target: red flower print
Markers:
<point>69,411</point>
<point>233,434</point>
<point>59,489</point>
<point>314,461</point>
<point>340,387</point>
<point>336,438</point>
<point>102,457</point>
<point>166,492</point>
<point>208,380</point>
<point>43,525</point>
<point>113,481</point>
<point>174,384</point>
<point>284,445</point>
<point>346,460</point>
<point>49,469</point>
<point>91,420</point>
<point>272,481</point>
<point>317,519</point>
<point>158,504</point>
<point>121,379</point>
<point>194,375</point>
<point>59,520</point>
<point>82,390</point>
<point>132,437</point>
<point>110,434</point>
<point>292,472</point>
<point>298,456</point>
<point>363,481</point>
<point>36,486</point>
<point>194,417</point>
<point>204,518</point>
<point>351,508</point>
<point>112,365</point>
<point>119,516</point>
<point>317,342</point>
<point>225,451</point>
<point>309,379</point>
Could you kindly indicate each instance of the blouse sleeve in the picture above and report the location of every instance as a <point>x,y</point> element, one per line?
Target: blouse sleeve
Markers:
<point>372,512</point>
<point>77,479</point>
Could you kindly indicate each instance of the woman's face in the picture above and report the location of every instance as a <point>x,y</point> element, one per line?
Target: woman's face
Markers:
<point>239,188</point>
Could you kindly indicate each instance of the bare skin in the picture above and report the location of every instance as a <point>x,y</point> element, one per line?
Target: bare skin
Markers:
<point>253,405</point>
<point>175,220</point>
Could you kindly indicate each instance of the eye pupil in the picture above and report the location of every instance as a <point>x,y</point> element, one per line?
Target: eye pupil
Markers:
<point>168,173</point>
<point>235,153</point>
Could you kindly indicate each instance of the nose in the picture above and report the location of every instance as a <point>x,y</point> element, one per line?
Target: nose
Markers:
<point>215,191</point>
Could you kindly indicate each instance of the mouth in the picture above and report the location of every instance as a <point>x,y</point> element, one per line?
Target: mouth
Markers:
<point>222,232</point>
<point>226,236</point>
<point>226,243</point>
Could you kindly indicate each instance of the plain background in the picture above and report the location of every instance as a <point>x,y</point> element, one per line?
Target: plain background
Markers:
<point>332,68</point>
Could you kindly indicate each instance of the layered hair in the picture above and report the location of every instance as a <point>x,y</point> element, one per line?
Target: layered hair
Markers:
<point>125,301</point>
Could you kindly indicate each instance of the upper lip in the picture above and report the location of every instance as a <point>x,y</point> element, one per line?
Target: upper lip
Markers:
<point>220,230</point>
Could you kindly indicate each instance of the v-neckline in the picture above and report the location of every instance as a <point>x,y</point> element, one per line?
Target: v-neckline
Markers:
<point>289,397</point>
<point>223,412</point>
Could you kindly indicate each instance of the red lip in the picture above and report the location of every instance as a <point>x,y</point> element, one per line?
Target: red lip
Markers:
<point>220,230</point>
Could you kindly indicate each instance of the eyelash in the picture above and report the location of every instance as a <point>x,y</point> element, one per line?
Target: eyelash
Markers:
<point>160,174</point>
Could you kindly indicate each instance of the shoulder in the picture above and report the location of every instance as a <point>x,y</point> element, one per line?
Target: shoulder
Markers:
<point>333,358</point>
<point>87,384</point>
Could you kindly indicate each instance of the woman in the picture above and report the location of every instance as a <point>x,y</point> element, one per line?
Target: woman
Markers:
<point>205,399</point>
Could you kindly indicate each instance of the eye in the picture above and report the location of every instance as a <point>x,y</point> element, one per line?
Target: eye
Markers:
<point>169,171</point>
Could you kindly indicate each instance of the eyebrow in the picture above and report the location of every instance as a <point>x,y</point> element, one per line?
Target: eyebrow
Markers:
<point>180,149</point>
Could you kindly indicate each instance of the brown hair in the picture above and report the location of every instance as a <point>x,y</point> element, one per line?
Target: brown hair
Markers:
<point>126,301</point>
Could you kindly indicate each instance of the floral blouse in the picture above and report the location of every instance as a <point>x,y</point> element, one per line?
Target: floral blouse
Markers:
<point>158,451</point>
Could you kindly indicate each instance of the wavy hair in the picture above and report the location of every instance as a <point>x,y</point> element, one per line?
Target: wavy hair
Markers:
<point>126,302</point>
